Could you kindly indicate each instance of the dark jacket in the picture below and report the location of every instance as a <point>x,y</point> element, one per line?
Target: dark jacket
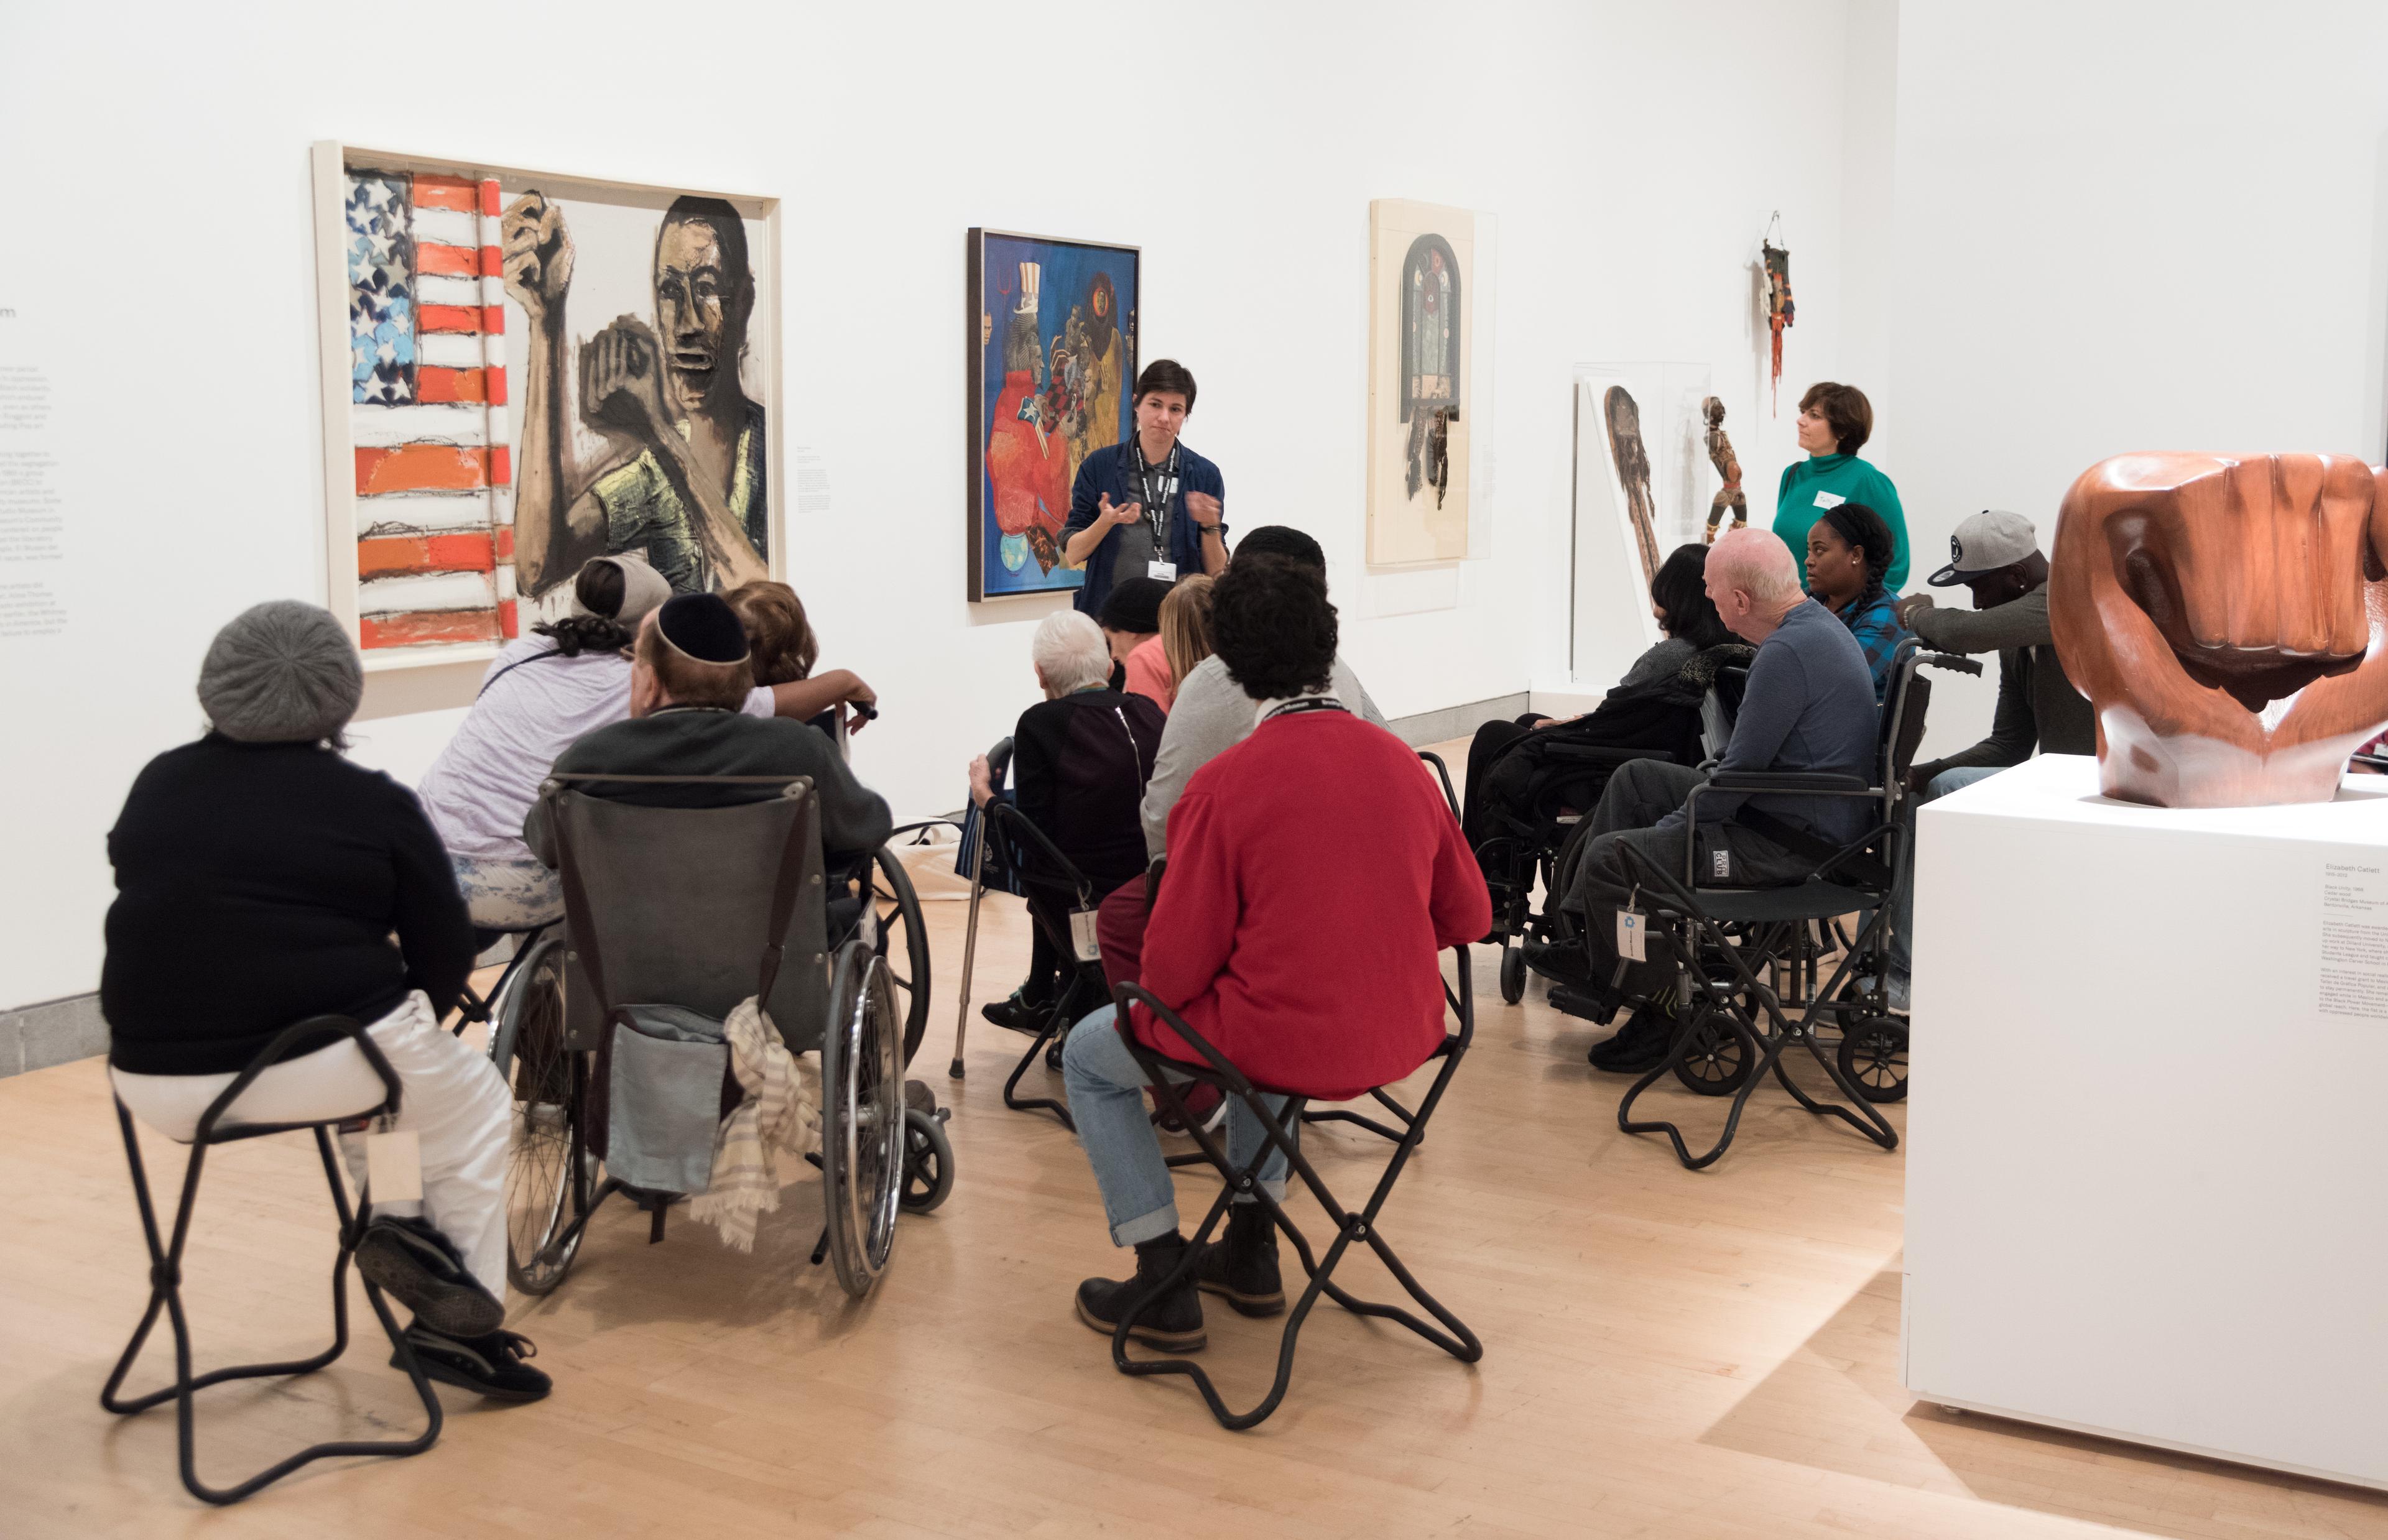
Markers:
<point>259,884</point>
<point>1110,470</point>
<point>688,742</point>
<point>2038,705</point>
<point>1079,767</point>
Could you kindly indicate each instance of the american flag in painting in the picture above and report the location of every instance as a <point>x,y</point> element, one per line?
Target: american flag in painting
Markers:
<point>426,350</point>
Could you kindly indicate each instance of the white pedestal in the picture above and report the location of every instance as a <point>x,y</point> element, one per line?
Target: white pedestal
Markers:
<point>2149,1120</point>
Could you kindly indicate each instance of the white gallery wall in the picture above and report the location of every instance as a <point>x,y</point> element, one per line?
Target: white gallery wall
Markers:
<point>2130,226</point>
<point>157,259</point>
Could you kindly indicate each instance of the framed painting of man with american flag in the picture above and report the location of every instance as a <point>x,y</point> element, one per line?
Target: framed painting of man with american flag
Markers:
<point>524,371</point>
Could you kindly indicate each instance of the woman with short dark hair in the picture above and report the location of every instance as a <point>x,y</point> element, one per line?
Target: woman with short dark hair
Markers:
<point>1835,422</point>
<point>1679,598</point>
<point>1849,556</point>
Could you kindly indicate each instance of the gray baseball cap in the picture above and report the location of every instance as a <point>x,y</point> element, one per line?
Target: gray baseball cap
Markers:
<point>1990,539</point>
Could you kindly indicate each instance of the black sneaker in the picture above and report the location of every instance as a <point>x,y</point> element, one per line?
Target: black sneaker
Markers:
<point>491,1364</point>
<point>1562,961</point>
<point>1638,1046</point>
<point>422,1269</point>
<point>1241,1269</point>
<point>1018,1014</point>
<point>1174,1322</point>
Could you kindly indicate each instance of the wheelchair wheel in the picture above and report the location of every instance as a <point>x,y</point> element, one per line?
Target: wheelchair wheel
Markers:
<point>928,1161</point>
<point>1718,1060</point>
<point>1513,974</point>
<point>862,1118</point>
<point>544,1192</point>
<point>903,945</point>
<point>1873,1057</point>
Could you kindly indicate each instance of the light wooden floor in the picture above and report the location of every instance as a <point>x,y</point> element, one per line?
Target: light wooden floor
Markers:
<point>1667,1354</point>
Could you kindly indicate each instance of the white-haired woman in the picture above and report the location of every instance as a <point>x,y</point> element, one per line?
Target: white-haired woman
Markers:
<point>1080,758</point>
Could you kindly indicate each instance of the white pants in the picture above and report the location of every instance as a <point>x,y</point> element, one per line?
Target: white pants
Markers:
<point>451,1098</point>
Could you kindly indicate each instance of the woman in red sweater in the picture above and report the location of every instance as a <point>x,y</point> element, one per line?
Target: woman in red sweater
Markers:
<point>1315,875</point>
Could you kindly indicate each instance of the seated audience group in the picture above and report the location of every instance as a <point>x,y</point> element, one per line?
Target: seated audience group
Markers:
<point>1266,858</point>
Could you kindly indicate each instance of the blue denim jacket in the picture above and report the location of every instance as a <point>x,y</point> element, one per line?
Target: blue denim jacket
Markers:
<point>1107,470</point>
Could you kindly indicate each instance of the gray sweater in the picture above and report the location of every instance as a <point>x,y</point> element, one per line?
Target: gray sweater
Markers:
<point>1210,715</point>
<point>2038,705</point>
<point>1808,707</point>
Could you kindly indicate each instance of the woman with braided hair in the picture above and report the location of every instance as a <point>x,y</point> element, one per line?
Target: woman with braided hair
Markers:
<point>1850,549</point>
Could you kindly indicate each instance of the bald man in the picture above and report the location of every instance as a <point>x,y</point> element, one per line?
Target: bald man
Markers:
<point>1809,708</point>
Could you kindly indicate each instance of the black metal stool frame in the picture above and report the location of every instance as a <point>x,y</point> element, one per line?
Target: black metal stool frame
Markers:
<point>1281,1133</point>
<point>166,1277</point>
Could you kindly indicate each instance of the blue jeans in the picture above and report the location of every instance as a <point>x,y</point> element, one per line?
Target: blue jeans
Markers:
<point>1902,902</point>
<point>1107,1103</point>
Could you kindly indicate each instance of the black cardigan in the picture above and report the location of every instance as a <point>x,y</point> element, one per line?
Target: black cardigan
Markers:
<point>259,884</point>
<point>1079,764</point>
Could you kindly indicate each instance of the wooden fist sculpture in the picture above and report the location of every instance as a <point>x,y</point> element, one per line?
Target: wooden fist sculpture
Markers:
<point>2193,595</point>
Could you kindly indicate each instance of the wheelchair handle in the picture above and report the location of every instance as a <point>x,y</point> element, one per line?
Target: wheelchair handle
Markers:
<point>1952,660</point>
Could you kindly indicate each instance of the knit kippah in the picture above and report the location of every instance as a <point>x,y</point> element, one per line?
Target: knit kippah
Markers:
<point>281,672</point>
<point>704,626</point>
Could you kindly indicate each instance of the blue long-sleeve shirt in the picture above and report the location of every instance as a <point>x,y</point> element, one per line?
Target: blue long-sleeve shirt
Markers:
<point>1109,470</point>
<point>1808,707</point>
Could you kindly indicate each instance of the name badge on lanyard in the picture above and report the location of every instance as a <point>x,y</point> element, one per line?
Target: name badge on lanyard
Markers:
<point>1165,571</point>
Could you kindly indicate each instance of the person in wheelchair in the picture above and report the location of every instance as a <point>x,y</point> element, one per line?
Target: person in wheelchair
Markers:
<point>542,694</point>
<point>1808,707</point>
<point>1655,706</point>
<point>1080,758</point>
<point>1315,875</point>
<point>263,879</point>
<point>690,674</point>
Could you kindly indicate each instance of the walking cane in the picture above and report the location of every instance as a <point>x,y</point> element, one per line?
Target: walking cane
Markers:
<point>969,940</point>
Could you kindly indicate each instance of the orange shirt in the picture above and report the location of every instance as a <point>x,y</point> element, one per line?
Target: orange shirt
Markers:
<point>1148,673</point>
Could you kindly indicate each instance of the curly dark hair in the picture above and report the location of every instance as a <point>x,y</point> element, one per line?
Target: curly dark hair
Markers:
<point>599,589</point>
<point>1682,589</point>
<point>1273,627</point>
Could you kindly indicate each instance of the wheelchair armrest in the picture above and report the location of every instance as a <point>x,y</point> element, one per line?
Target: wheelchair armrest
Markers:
<point>1788,781</point>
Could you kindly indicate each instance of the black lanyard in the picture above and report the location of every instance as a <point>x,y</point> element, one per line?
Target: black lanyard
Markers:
<point>1155,489</point>
<point>1310,703</point>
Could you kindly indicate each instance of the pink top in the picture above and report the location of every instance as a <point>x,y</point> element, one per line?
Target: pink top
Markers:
<point>1148,673</point>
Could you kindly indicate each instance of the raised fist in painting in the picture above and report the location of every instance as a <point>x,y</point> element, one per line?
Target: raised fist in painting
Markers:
<point>621,380</point>
<point>535,254</point>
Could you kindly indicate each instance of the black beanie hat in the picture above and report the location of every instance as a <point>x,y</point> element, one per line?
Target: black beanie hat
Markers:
<point>704,626</point>
<point>1134,605</point>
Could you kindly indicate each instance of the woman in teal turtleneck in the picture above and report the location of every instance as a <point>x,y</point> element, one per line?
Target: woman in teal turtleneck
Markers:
<point>1835,422</point>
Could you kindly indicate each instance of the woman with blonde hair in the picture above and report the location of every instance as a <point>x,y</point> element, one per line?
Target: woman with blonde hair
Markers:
<point>1186,627</point>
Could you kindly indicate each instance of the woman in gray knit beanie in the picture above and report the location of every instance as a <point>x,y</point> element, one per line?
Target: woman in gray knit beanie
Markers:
<point>281,672</point>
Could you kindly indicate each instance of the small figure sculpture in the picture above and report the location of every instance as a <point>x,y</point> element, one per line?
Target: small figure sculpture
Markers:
<point>1721,454</point>
<point>1633,461</point>
<point>2216,611</point>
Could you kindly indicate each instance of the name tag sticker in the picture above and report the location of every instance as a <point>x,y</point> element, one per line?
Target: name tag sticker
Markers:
<point>1633,942</point>
<point>1830,499</point>
<point>1165,571</point>
<point>1081,936</point>
<point>394,1167</point>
